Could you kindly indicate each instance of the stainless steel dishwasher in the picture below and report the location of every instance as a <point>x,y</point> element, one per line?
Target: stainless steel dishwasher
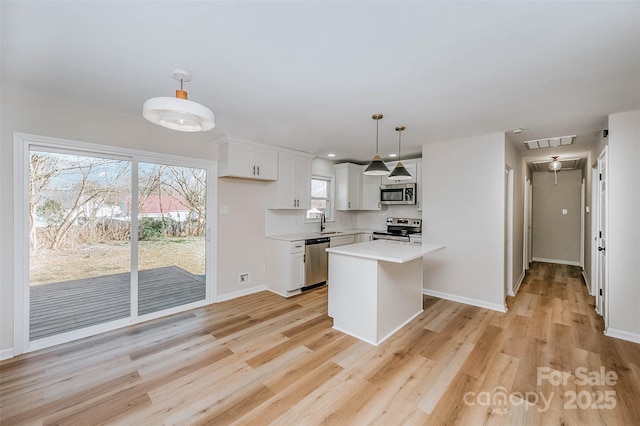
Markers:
<point>316,261</point>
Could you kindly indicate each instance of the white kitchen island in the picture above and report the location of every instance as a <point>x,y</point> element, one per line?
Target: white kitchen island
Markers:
<point>375,288</point>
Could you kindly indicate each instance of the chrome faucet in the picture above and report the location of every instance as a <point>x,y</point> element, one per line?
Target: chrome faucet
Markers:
<point>323,222</point>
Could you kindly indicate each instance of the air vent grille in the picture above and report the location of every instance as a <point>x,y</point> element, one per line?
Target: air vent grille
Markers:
<point>550,142</point>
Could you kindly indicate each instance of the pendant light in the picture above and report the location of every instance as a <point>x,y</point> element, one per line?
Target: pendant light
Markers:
<point>179,113</point>
<point>400,172</point>
<point>377,166</point>
<point>554,166</point>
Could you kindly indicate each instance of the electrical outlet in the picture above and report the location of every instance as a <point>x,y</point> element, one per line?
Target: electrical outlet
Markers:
<point>244,278</point>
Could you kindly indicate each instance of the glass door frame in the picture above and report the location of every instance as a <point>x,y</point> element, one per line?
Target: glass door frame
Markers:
<point>23,144</point>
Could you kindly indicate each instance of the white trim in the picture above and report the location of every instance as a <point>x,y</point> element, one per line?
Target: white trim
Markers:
<point>582,221</point>
<point>240,293</point>
<point>587,282</point>
<point>22,144</point>
<point>621,334</point>
<point>465,300</point>
<point>6,354</point>
<point>517,287</point>
<point>558,261</point>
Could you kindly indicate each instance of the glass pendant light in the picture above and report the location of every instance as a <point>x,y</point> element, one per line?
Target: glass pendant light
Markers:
<point>377,166</point>
<point>554,166</point>
<point>400,172</point>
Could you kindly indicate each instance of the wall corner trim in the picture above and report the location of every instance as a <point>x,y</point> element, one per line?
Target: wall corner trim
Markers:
<point>623,335</point>
<point>466,300</point>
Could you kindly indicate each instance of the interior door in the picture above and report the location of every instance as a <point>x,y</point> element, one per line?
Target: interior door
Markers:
<point>602,236</point>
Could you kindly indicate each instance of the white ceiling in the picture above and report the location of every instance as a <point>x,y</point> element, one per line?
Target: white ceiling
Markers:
<point>308,75</point>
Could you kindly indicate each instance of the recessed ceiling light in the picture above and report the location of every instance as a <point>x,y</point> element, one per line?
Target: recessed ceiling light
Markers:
<point>331,155</point>
<point>393,155</point>
<point>516,131</point>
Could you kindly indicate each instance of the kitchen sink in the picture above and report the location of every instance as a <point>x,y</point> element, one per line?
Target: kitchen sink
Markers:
<point>329,232</point>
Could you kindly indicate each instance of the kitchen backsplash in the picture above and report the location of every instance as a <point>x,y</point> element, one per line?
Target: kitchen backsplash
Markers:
<point>294,221</point>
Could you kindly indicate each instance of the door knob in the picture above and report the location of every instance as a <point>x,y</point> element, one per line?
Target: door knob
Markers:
<point>601,249</point>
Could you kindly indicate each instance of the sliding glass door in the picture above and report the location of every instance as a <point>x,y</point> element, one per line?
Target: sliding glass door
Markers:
<point>113,238</point>
<point>79,241</point>
<point>172,219</point>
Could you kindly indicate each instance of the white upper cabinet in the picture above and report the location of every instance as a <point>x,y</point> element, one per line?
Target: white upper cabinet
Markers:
<point>242,159</point>
<point>355,190</point>
<point>293,188</point>
<point>348,181</point>
<point>370,192</point>
<point>419,186</point>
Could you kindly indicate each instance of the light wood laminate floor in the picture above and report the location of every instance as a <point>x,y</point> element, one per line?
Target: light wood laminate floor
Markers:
<point>262,359</point>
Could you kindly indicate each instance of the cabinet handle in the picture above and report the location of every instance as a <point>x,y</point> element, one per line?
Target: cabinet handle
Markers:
<point>258,170</point>
<point>349,204</point>
<point>254,170</point>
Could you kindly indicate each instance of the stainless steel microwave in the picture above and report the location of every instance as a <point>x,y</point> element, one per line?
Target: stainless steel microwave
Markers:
<point>400,193</point>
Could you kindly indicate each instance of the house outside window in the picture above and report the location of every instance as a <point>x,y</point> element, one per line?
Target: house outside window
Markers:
<point>320,198</point>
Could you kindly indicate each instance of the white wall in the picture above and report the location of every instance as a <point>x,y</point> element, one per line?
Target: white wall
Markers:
<point>556,237</point>
<point>623,245</point>
<point>463,208</point>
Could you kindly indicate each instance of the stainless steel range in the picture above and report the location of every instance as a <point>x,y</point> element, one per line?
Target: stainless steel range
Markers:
<point>400,229</point>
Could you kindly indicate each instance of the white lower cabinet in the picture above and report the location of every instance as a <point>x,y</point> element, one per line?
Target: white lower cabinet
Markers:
<point>365,237</point>
<point>285,266</point>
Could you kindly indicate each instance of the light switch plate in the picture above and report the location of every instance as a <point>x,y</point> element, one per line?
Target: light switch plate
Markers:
<point>564,211</point>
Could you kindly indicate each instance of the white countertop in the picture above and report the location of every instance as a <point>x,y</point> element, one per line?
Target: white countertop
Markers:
<point>388,251</point>
<point>307,235</point>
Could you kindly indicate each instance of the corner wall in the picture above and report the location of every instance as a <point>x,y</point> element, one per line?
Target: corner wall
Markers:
<point>623,244</point>
<point>463,193</point>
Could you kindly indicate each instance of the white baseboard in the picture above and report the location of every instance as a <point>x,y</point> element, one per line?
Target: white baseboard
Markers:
<point>6,354</point>
<point>621,334</point>
<point>558,261</point>
<point>514,291</point>
<point>465,300</point>
<point>240,293</point>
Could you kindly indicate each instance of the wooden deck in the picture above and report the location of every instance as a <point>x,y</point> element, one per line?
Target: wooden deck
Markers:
<point>71,305</point>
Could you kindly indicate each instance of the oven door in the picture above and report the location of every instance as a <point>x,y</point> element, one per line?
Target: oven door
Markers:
<point>381,236</point>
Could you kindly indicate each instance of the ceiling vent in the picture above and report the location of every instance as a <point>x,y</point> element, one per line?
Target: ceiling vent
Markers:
<point>550,142</point>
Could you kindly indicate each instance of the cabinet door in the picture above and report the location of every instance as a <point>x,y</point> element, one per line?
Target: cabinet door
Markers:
<point>370,192</point>
<point>342,187</point>
<point>419,187</point>
<point>363,238</point>
<point>355,176</point>
<point>297,271</point>
<point>266,162</point>
<point>241,160</point>
<point>302,182</point>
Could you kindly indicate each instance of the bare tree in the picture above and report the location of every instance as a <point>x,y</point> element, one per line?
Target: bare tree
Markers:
<point>42,169</point>
<point>191,183</point>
